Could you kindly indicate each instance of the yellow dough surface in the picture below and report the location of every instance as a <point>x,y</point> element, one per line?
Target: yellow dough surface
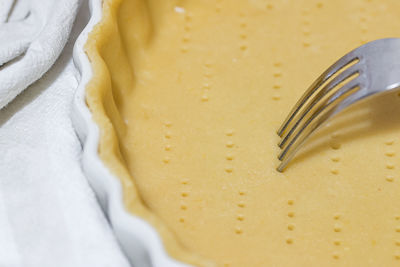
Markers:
<point>188,96</point>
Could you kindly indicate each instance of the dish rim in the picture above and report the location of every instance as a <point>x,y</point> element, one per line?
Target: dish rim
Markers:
<point>139,240</point>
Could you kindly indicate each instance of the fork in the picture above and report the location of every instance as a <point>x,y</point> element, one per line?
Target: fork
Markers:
<point>367,70</point>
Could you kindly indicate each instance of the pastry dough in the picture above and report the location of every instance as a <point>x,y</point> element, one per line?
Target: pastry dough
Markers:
<point>188,96</point>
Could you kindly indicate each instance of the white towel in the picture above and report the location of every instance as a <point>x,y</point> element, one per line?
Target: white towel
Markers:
<point>48,213</point>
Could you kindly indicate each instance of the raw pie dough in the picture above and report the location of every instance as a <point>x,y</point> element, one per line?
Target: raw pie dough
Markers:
<point>188,96</point>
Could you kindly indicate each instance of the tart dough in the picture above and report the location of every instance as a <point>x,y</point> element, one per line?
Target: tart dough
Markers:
<point>188,96</point>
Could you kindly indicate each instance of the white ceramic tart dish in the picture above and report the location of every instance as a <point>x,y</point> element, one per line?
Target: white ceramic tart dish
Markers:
<point>178,109</point>
<point>139,240</point>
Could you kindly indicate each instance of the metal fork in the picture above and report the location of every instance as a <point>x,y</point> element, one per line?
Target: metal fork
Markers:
<point>367,70</point>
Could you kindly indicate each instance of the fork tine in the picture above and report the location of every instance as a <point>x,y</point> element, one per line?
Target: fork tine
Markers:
<point>315,121</point>
<point>321,93</point>
<point>341,63</point>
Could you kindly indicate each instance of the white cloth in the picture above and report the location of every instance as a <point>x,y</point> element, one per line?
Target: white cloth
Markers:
<point>31,44</point>
<point>48,213</point>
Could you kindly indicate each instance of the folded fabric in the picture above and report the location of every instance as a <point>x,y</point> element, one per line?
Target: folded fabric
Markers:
<point>49,215</point>
<point>31,42</point>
